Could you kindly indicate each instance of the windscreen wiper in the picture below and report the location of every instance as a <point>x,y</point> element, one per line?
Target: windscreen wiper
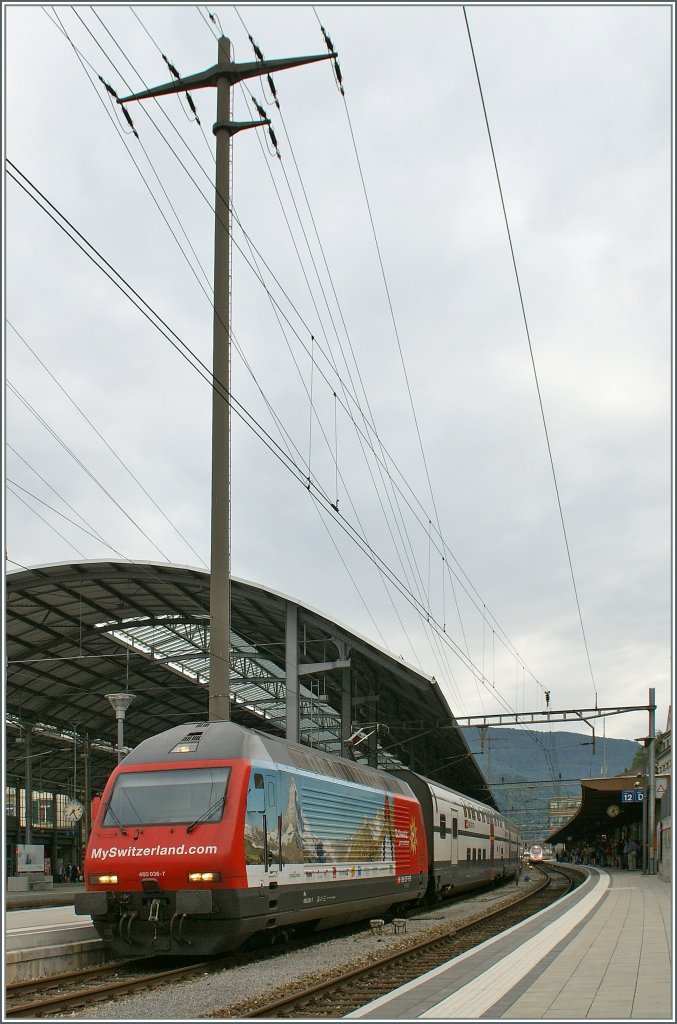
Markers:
<point>109,810</point>
<point>221,800</point>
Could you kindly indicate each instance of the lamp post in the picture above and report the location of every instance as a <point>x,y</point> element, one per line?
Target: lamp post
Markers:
<point>120,702</point>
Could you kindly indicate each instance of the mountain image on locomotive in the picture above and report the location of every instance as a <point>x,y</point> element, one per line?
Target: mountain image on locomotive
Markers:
<point>210,833</point>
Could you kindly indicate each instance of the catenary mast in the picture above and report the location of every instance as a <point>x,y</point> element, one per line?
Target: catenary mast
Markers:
<point>223,76</point>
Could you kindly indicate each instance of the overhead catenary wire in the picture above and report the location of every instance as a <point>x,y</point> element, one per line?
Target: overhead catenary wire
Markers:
<point>389,302</point>
<point>313,363</point>
<point>422,520</point>
<point>405,541</point>
<point>531,349</point>
<point>267,268</point>
<point>51,487</point>
<point>122,134</point>
<point>49,525</point>
<point>261,114</point>
<point>208,294</point>
<point>105,442</point>
<point>348,397</point>
<point>334,392</point>
<point>78,461</point>
<point>248,419</point>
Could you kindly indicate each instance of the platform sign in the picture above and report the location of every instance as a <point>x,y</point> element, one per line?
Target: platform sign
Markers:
<point>632,796</point>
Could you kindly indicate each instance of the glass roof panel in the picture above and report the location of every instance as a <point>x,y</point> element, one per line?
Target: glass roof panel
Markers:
<point>181,645</point>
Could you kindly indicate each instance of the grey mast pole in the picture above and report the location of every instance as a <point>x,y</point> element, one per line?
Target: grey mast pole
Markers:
<point>219,591</point>
<point>223,75</point>
<point>651,787</point>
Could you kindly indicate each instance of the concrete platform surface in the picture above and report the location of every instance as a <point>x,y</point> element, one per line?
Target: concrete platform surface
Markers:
<point>602,953</point>
<point>59,895</point>
<point>48,940</point>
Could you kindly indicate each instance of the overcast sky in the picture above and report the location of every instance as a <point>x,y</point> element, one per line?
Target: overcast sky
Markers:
<point>376,246</point>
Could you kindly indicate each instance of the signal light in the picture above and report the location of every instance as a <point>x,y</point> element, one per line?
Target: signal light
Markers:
<point>204,876</point>
<point>103,879</point>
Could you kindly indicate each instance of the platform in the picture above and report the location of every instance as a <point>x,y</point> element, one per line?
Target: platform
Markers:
<point>603,953</point>
<point>49,939</point>
<point>60,895</point>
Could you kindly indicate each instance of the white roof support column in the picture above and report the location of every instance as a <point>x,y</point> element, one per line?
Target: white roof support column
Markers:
<point>292,673</point>
<point>346,709</point>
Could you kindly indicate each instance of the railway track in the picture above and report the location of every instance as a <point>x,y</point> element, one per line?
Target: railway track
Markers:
<point>337,996</point>
<point>41,997</point>
<point>67,991</point>
<point>44,997</point>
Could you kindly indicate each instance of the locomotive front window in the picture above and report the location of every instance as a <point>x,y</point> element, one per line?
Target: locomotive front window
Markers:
<point>168,797</point>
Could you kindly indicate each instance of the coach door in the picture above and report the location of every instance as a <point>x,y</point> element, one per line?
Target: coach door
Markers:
<point>262,800</point>
<point>453,812</point>
<point>448,830</point>
<point>492,837</point>
<point>272,825</point>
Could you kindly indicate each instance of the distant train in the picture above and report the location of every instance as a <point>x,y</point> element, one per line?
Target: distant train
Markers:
<point>210,833</point>
<point>540,853</point>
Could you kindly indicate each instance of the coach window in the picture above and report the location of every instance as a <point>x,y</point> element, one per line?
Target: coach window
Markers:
<point>258,781</point>
<point>454,827</point>
<point>468,853</point>
<point>443,825</point>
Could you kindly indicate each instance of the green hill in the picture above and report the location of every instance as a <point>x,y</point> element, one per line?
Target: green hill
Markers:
<point>524,769</point>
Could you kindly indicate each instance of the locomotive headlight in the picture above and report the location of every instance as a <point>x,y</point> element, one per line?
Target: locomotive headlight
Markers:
<point>103,879</point>
<point>204,876</point>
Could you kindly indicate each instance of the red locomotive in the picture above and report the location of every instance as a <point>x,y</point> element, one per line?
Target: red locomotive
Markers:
<point>209,833</point>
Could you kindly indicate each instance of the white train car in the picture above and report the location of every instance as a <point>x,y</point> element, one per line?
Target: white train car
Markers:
<point>469,843</point>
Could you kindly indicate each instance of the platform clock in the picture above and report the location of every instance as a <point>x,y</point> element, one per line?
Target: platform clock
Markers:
<point>613,810</point>
<point>73,811</point>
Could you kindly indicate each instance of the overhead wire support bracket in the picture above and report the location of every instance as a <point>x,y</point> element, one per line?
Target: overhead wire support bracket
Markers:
<point>232,127</point>
<point>234,73</point>
<point>542,717</point>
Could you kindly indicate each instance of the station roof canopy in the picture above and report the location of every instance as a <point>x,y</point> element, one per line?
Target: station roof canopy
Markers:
<point>602,807</point>
<point>76,632</point>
